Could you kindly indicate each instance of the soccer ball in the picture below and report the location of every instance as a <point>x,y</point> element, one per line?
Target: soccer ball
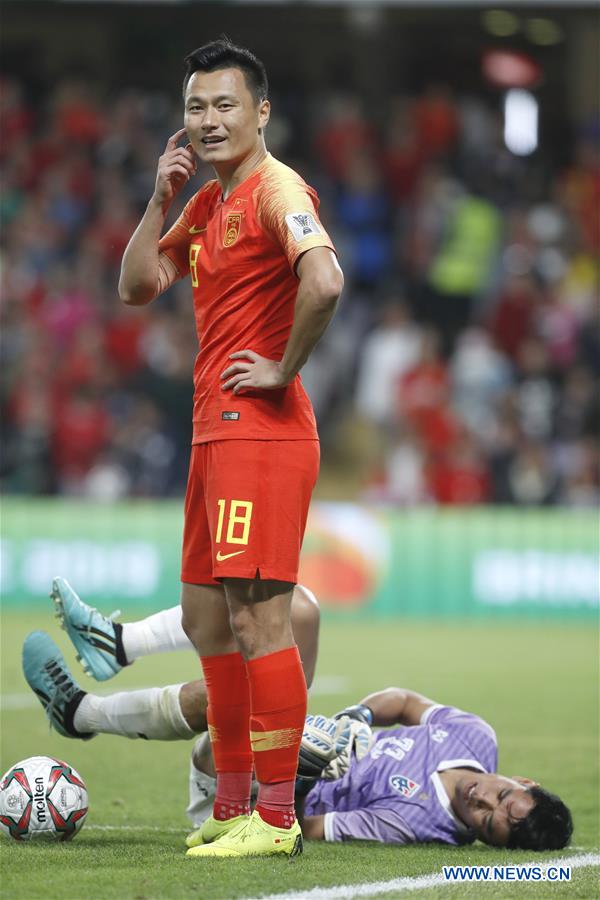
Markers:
<point>42,798</point>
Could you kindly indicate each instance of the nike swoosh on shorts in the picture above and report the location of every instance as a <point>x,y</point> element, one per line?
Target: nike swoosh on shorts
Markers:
<point>221,557</point>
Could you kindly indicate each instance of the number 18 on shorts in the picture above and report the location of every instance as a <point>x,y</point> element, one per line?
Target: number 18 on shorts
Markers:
<point>245,509</point>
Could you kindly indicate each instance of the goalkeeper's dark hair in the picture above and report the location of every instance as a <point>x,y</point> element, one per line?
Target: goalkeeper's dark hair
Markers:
<point>224,54</point>
<point>548,826</point>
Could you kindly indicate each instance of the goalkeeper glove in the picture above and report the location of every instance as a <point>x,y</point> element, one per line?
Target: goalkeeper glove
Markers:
<point>323,740</point>
<point>359,743</point>
<point>361,739</point>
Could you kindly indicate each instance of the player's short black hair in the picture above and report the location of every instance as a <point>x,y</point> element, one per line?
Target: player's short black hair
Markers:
<point>223,54</point>
<point>548,826</point>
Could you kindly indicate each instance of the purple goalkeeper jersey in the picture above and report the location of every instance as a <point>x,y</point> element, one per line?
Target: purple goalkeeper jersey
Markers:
<point>395,794</point>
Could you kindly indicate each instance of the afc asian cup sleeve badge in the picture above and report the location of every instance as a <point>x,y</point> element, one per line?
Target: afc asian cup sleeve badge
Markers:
<point>404,785</point>
<point>302,225</point>
<point>233,226</point>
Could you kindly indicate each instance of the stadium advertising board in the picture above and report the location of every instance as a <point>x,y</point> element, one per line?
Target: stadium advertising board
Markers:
<point>359,560</point>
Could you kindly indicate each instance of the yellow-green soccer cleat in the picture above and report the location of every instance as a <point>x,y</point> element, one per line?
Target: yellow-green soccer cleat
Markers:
<point>253,837</point>
<point>212,829</point>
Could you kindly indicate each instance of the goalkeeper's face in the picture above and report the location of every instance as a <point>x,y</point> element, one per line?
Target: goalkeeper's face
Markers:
<point>490,804</point>
<point>222,118</point>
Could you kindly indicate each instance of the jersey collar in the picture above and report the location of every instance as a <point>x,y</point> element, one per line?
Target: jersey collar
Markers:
<point>243,183</point>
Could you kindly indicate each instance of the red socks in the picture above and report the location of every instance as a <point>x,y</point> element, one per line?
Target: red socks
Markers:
<point>278,709</point>
<point>270,694</point>
<point>228,715</point>
<point>232,797</point>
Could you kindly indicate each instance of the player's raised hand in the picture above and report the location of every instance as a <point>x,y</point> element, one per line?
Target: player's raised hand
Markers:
<point>175,167</point>
<point>252,371</point>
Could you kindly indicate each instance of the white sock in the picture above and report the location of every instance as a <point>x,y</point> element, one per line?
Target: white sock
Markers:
<point>159,633</point>
<point>154,713</point>
<point>203,789</point>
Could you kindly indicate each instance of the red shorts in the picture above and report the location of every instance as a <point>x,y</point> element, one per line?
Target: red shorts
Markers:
<point>245,509</point>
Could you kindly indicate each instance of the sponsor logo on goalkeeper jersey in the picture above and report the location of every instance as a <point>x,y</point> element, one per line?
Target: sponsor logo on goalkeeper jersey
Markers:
<point>404,785</point>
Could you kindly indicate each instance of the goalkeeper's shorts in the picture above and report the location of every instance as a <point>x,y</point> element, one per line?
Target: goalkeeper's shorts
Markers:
<point>245,509</point>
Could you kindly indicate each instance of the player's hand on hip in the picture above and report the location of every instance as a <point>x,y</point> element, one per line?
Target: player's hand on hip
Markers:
<point>251,372</point>
<point>175,168</point>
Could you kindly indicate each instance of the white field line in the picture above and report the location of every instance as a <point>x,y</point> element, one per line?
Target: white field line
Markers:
<point>138,828</point>
<point>418,882</point>
<point>324,686</point>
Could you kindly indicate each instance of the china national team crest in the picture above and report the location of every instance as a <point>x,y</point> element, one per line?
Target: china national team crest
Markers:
<point>232,229</point>
<point>404,785</point>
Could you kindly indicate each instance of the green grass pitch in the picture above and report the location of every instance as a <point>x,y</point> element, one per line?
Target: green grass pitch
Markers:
<point>537,684</point>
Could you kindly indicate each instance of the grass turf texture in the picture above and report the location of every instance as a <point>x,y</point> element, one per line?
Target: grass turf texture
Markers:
<point>536,684</point>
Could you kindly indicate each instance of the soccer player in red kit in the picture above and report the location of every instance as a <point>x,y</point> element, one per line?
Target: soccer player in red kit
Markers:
<point>265,283</point>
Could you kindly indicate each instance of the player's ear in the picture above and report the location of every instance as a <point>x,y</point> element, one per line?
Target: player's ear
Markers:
<point>264,113</point>
<point>526,782</point>
<point>192,151</point>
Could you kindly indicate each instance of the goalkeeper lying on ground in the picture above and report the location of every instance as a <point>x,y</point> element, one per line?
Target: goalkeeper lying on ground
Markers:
<point>430,778</point>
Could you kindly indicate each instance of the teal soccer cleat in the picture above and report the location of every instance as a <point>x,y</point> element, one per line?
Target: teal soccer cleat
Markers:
<point>96,637</point>
<point>48,677</point>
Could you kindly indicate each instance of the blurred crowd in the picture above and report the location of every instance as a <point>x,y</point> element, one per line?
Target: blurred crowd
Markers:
<point>463,364</point>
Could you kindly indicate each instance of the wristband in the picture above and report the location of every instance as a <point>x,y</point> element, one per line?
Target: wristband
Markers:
<point>359,712</point>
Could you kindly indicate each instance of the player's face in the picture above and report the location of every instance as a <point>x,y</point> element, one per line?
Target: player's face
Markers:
<point>490,804</point>
<point>221,118</point>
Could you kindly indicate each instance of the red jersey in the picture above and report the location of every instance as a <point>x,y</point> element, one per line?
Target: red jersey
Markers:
<point>241,254</point>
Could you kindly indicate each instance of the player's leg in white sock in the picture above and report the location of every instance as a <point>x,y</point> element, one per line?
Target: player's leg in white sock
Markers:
<point>162,632</point>
<point>153,713</point>
<point>158,633</point>
<point>193,705</point>
<point>203,782</point>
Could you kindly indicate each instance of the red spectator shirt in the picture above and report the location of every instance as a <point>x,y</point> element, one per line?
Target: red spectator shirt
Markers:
<point>241,254</point>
